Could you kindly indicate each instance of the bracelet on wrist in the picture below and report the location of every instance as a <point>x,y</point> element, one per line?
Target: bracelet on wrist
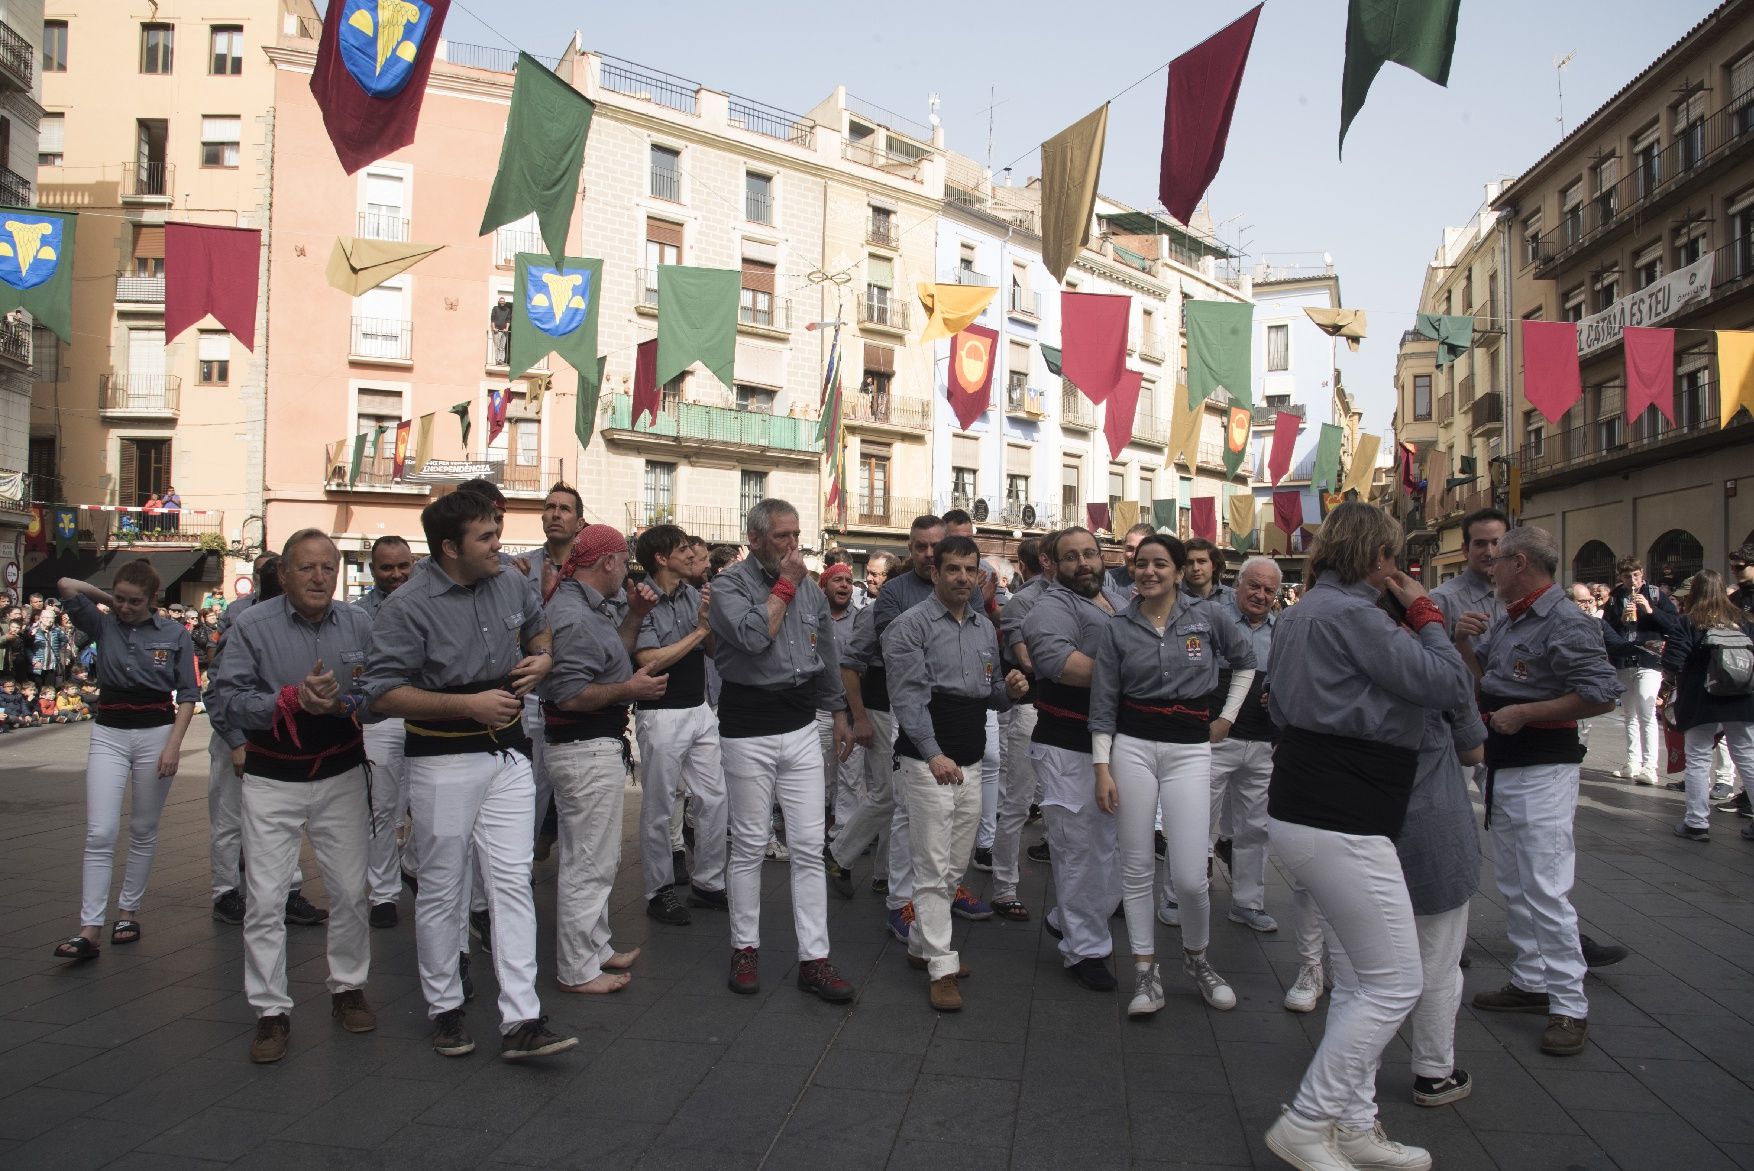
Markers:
<point>784,590</point>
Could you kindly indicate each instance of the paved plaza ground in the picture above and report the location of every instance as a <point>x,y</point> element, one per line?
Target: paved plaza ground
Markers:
<point>139,1058</point>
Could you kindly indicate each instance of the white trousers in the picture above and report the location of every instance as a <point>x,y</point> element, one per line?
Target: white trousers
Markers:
<point>117,756</point>
<point>1178,778</point>
<point>872,819</point>
<point>1241,770</point>
<point>1357,883</point>
<point>277,815</point>
<point>942,822</point>
<point>225,818</point>
<point>1016,792</point>
<point>1534,862</point>
<point>679,753</point>
<point>484,801</point>
<point>992,768</point>
<point>1431,1027</point>
<point>589,779</point>
<point>1084,846</point>
<point>1308,931</point>
<point>389,799</point>
<point>787,768</point>
<point>1738,741</point>
<point>1644,740</point>
<point>538,733</point>
<point>847,775</point>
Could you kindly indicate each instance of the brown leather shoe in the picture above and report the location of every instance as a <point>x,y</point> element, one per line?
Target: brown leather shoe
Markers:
<point>269,1044</point>
<point>946,996</point>
<point>1565,1036</point>
<point>1510,998</point>
<point>919,964</point>
<point>350,1008</point>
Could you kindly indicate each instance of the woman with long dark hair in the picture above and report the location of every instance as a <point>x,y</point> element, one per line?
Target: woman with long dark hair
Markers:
<point>1702,710</point>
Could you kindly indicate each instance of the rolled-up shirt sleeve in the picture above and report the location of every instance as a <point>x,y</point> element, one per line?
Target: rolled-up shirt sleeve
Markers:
<point>910,685</point>
<point>736,616</point>
<point>1579,658</point>
<point>1052,637</point>
<point>188,690</point>
<point>1467,730</point>
<point>85,614</point>
<point>1105,681</point>
<point>397,651</point>
<point>864,640</point>
<point>244,698</point>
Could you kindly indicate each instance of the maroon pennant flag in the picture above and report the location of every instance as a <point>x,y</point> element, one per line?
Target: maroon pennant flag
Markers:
<point>1093,341</point>
<point>372,65</point>
<point>1097,515</point>
<point>497,402</point>
<point>1285,426</point>
<point>1650,371</point>
<point>1288,511</point>
<point>1122,409</point>
<point>1203,83</point>
<point>1203,517</point>
<point>970,383</point>
<point>211,270</point>
<point>646,399</point>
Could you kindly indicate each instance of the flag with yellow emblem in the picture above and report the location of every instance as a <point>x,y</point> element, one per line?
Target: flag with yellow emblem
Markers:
<point>36,267</point>
<point>554,311</point>
<point>372,65</point>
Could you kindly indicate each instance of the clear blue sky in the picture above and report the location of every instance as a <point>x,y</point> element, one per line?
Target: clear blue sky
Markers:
<point>1416,160</point>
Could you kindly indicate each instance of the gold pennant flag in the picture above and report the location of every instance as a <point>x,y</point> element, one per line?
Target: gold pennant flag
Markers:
<point>1184,431</point>
<point>1241,509</point>
<point>1347,323</point>
<point>1071,164</point>
<point>536,388</point>
<point>1275,540</point>
<point>1363,466</point>
<point>1515,496</point>
<point>1126,515</point>
<point>1735,372</point>
<point>952,308</point>
<point>358,265</point>
<point>423,440</point>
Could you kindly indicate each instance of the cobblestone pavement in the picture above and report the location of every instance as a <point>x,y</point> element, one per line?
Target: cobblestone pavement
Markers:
<point>139,1058</point>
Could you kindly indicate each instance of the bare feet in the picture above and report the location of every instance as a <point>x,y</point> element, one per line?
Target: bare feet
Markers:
<point>621,961</point>
<point>603,985</point>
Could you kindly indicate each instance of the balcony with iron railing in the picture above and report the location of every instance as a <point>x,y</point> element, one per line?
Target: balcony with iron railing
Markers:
<point>1607,445</point>
<point>772,122</point>
<point>526,475</point>
<point>140,290</point>
<point>666,185</point>
<point>498,356</point>
<point>883,409</point>
<point>148,182</point>
<point>883,231</point>
<point>508,242</point>
<point>1023,303</point>
<point>773,313</point>
<point>381,339</point>
<point>758,207</point>
<point>648,85</point>
<point>1446,407</point>
<point>1264,414</point>
<point>492,58</point>
<point>1486,414</point>
<point>17,58</point>
<point>15,342</point>
<point>713,525</point>
<point>1021,399</point>
<point>880,308</point>
<point>135,526</point>
<point>724,426</point>
<point>15,189</point>
<point>383,225</point>
<point>965,275</point>
<point>126,394</point>
<point>1076,410</point>
<point>1151,347</point>
<point>884,511</point>
<point>1148,426</point>
<point>897,158</point>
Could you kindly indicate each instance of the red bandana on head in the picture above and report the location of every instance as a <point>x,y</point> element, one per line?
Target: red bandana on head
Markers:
<point>593,543</point>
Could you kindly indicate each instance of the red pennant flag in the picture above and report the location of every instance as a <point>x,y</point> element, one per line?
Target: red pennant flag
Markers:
<point>1097,515</point>
<point>1409,469</point>
<point>372,67</point>
<point>211,270</point>
<point>497,402</point>
<point>1285,425</point>
<point>400,460</point>
<point>646,399</point>
<point>970,384</point>
<point>1122,410</point>
<point>1203,517</point>
<point>1551,379</point>
<point>1093,340</point>
<point>1288,511</point>
<point>1203,83</point>
<point>1650,371</point>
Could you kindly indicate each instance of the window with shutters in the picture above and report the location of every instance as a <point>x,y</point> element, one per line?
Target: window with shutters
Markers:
<point>51,140</point>
<point>1691,392</point>
<point>672,393</point>
<point>1574,305</point>
<point>1610,403</point>
<point>1742,235</point>
<point>879,374</point>
<point>1646,161</point>
<point>227,58</point>
<point>873,485</point>
<point>54,46</point>
<point>1571,213</point>
<point>1647,266</point>
<point>145,470</point>
<point>1532,239</point>
<point>751,490</point>
<point>220,140</point>
<point>1117,491</point>
<point>1605,178</point>
<point>518,445</point>
<point>45,354</point>
<point>1278,347</point>
<point>149,252</point>
<point>384,200</point>
<point>374,408</point>
<point>757,198</point>
<point>1534,432</point>
<point>213,354</point>
<point>880,306</point>
<point>1741,90</point>
<point>44,468</point>
<point>1690,244</point>
<point>1016,490</point>
<point>663,246</point>
<point>756,307</point>
<point>1071,509</point>
<point>1687,118</point>
<point>755,398</point>
<point>962,486</point>
<point>156,42</point>
<point>660,490</point>
<point>381,328</point>
<point>666,174</point>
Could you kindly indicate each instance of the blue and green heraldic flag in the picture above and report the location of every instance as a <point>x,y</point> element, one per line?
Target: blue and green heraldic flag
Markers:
<point>36,267</point>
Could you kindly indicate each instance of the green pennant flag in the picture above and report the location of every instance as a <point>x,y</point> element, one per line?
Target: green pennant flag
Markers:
<point>1051,355</point>
<point>36,266</point>
<point>1219,350</point>
<point>697,321</point>
<point>358,454</point>
<point>1325,474</point>
<point>66,531</point>
<point>543,152</point>
<point>1454,335</point>
<point>461,410</point>
<point>1163,515</point>
<point>1420,34</point>
<point>585,416</point>
<point>554,311</point>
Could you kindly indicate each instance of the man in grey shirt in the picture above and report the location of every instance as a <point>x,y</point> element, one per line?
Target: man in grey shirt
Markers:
<point>1472,588</point>
<point>1200,576</point>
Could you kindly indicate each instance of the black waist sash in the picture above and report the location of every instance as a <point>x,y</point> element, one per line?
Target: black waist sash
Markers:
<point>327,746</point>
<point>1252,722</point>
<point>1062,716</point>
<point>747,711</point>
<point>128,707</point>
<point>1536,744</point>
<point>687,687</point>
<point>1341,783</point>
<point>563,727</point>
<point>458,736</point>
<point>1166,721</point>
<point>959,724</point>
<point>874,689</point>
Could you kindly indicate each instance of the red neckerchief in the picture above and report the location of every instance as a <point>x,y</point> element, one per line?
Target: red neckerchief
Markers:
<point>1521,606</point>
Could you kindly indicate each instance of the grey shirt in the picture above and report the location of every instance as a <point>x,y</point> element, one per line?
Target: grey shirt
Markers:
<point>673,619</point>
<point>1438,844</point>
<point>587,642</point>
<point>899,594</point>
<point>273,647</point>
<point>1463,592</point>
<point>1135,661</point>
<point>154,655</point>
<point>843,631</point>
<point>437,635</point>
<point>1220,593</point>
<point>927,649</point>
<point>371,601</point>
<point>802,651</point>
<point>1343,667</point>
<point>1063,621</point>
<point>1553,649</point>
<point>861,645</point>
<point>1013,613</point>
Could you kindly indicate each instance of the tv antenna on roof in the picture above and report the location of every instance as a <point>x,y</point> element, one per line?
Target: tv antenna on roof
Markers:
<point>1559,64</point>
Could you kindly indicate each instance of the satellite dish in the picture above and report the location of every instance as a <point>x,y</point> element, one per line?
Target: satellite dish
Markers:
<point>1029,516</point>
<point>980,511</point>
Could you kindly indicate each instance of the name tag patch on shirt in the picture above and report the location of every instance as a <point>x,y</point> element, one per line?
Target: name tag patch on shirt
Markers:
<point>514,620</point>
<point>1520,670</point>
<point>355,659</point>
<point>1196,648</point>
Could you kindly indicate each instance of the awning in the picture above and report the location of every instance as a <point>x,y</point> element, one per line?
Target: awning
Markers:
<point>172,565</point>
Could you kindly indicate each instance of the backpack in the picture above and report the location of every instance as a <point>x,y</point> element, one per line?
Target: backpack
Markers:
<point>1730,671</point>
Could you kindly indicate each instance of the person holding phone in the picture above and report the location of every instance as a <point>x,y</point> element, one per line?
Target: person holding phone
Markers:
<point>1642,615</point>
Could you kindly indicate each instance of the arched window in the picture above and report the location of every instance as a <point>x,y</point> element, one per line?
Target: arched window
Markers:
<point>1593,563</point>
<point>1674,557</point>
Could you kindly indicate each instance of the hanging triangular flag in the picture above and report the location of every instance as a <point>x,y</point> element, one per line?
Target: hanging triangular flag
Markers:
<point>356,460</point>
<point>497,403</point>
<point>1203,84</point>
<point>1650,371</point>
<point>1097,517</point>
<point>356,266</point>
<point>831,433</point>
<point>36,267</point>
<point>1454,335</point>
<point>399,462</point>
<point>585,410</point>
<point>1420,34</point>
<point>554,311</point>
<point>1219,349</point>
<point>1288,511</point>
<point>1120,412</point>
<point>1552,381</point>
<point>969,383</point>
<point>377,447</point>
<point>1093,332</point>
<point>373,60</point>
<point>36,532</point>
<point>1347,323</point>
<point>1203,518</point>
<point>646,399</point>
<point>1236,438</point>
<point>1126,515</point>
<point>536,388</point>
<point>1071,163</point>
<point>1735,373</point>
<point>1285,428</point>
<point>461,410</point>
<point>540,159</point>
<point>1407,460</point>
<point>211,270</point>
<point>66,530</point>
<point>1241,510</point>
<point>423,440</point>
<point>1362,469</point>
<point>1184,428</point>
<point>1325,472</point>
<point>697,321</point>
<point>1163,516</point>
<point>952,308</point>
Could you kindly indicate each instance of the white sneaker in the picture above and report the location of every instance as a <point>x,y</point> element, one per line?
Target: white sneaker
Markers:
<point>1169,913</point>
<point>1649,777</point>
<point>1254,919</point>
<point>1147,991</point>
<point>1307,991</point>
<point>1371,1149</point>
<point>1213,990</point>
<point>777,852</point>
<point>1625,772</point>
<point>1308,1146</point>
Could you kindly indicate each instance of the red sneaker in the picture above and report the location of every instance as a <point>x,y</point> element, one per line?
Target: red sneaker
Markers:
<point>745,972</point>
<point>820,977</point>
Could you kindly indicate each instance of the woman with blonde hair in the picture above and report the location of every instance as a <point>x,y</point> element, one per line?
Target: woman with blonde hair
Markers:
<point>1711,626</point>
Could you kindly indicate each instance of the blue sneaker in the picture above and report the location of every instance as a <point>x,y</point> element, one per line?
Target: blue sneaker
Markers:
<point>901,920</point>
<point>967,906</point>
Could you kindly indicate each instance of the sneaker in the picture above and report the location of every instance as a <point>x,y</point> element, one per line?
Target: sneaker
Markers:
<point>463,975</point>
<point>532,1039</point>
<point>679,867</point>
<point>945,995</point>
<point>1626,772</point>
<point>966,906</point>
<point>983,859</point>
<point>901,921</point>
<point>1645,776</point>
<point>1093,974</point>
<point>449,1037</point>
<point>1213,990</point>
<point>1674,786</point>
<point>1222,848</point>
<point>745,971</point>
<point>229,908</point>
<point>1441,1091</point>
<point>880,886</point>
<point>700,896</point>
<point>481,929</point>
<point>1169,912</point>
<point>820,977</point>
<point>1254,919</point>
<point>1720,791</point>
<point>1564,1036</point>
<point>665,907</point>
<point>301,913</point>
<point>1691,833</point>
<point>1034,815</point>
<point>1147,990</point>
<point>1306,992</point>
<point>1039,853</point>
<point>385,915</point>
<point>350,1008</point>
<point>1601,955</point>
<point>777,852</point>
<point>1738,805</point>
<point>840,879</point>
<point>1374,1149</point>
<point>1306,1145</point>
<point>1510,998</point>
<point>269,1043</point>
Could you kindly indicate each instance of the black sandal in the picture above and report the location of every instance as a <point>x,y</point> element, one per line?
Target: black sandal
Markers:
<point>125,931</point>
<point>1011,909</point>
<point>77,948</point>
